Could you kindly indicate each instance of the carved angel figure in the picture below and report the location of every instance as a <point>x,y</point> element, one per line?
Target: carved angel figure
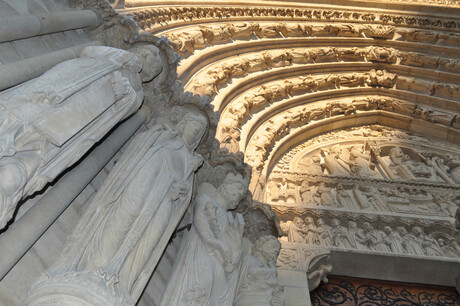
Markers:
<point>120,238</point>
<point>206,268</point>
<point>49,122</point>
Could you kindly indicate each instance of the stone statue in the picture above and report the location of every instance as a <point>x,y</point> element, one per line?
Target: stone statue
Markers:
<point>296,231</point>
<point>393,240</point>
<point>372,238</point>
<point>310,231</point>
<point>50,122</point>
<point>339,234</point>
<point>212,249</point>
<point>428,243</point>
<point>453,162</point>
<point>334,161</point>
<point>409,242</point>
<point>323,232</point>
<point>360,164</point>
<point>258,284</point>
<point>119,240</point>
<point>318,276</point>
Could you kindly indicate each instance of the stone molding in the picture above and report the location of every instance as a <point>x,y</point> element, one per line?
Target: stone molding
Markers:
<point>156,18</point>
<point>264,139</point>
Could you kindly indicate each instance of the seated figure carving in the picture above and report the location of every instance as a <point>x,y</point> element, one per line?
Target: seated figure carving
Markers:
<point>50,122</point>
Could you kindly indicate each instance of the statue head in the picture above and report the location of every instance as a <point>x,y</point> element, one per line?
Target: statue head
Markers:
<point>401,230</point>
<point>368,227</point>
<point>309,220</point>
<point>233,189</point>
<point>352,225</point>
<point>297,221</point>
<point>417,231</point>
<point>396,154</point>
<point>335,222</point>
<point>192,128</point>
<point>388,230</point>
<point>441,242</point>
<point>151,61</point>
<point>267,249</point>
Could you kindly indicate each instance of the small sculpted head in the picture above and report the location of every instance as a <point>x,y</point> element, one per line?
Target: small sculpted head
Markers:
<point>298,221</point>
<point>320,222</point>
<point>396,153</point>
<point>267,249</point>
<point>441,242</point>
<point>192,128</point>
<point>417,231</point>
<point>233,189</point>
<point>335,222</point>
<point>151,61</point>
<point>368,227</point>
<point>309,220</point>
<point>388,230</point>
<point>352,225</point>
<point>401,230</point>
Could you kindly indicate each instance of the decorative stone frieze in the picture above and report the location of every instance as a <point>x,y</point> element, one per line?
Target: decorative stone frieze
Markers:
<point>153,19</point>
<point>370,196</point>
<point>276,128</point>
<point>369,233</point>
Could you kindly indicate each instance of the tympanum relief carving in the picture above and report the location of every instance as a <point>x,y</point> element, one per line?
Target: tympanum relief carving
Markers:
<point>372,189</point>
<point>380,149</point>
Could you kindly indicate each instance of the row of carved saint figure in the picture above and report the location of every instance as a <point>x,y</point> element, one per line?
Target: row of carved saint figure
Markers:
<point>364,197</point>
<point>367,237</point>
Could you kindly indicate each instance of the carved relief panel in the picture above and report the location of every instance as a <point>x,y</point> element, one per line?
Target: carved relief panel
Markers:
<point>356,195</point>
<point>380,234</point>
<point>369,189</point>
<point>375,152</point>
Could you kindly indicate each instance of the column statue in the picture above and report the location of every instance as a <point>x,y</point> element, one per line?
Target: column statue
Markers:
<point>114,248</point>
<point>48,123</point>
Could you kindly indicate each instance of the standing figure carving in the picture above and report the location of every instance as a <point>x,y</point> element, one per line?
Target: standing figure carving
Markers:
<point>120,238</point>
<point>50,122</point>
<point>206,268</point>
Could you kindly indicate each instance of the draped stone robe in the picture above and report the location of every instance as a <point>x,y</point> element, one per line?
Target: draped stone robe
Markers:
<point>119,240</point>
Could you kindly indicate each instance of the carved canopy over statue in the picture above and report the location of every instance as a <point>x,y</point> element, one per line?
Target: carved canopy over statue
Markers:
<point>48,123</point>
<point>118,242</point>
